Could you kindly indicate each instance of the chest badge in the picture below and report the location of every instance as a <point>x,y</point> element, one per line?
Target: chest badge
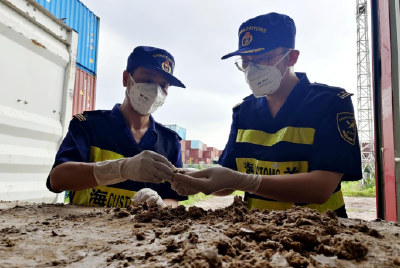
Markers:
<point>346,124</point>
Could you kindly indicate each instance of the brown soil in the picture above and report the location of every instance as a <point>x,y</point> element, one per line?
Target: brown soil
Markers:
<point>149,236</point>
<point>363,208</point>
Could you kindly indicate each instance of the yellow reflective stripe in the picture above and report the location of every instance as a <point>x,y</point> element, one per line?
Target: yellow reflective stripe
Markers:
<point>297,135</point>
<point>270,205</point>
<point>335,202</point>
<point>103,196</point>
<point>254,166</point>
<point>97,154</point>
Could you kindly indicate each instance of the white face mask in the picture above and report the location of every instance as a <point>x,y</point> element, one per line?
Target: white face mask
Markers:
<point>146,98</point>
<point>264,82</point>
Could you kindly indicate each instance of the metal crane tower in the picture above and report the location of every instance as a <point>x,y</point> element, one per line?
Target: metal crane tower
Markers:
<point>364,104</point>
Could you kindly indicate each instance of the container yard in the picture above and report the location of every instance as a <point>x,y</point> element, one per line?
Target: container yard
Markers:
<point>81,19</point>
<point>57,42</point>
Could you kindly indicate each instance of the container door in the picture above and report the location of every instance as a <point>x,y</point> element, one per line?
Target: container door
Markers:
<point>385,32</point>
<point>37,67</point>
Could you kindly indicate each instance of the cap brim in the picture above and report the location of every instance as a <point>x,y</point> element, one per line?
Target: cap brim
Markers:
<point>246,51</point>
<point>172,79</point>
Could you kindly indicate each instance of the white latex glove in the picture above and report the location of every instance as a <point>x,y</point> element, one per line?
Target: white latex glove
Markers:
<point>190,170</point>
<point>216,179</point>
<point>147,166</point>
<point>147,195</point>
<point>180,188</point>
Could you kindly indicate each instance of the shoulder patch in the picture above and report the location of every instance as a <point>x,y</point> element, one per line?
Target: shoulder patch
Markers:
<point>346,124</point>
<point>80,117</point>
<point>237,105</point>
<point>344,94</point>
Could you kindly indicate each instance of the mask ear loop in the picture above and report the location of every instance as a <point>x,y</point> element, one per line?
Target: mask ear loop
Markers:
<point>284,56</point>
<point>127,86</point>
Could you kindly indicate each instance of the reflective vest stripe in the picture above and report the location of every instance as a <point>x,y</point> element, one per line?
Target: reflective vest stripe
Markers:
<point>254,166</point>
<point>297,135</point>
<point>102,195</point>
<point>97,154</point>
<point>335,202</point>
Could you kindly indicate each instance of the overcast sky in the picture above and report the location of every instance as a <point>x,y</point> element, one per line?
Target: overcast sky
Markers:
<point>199,33</point>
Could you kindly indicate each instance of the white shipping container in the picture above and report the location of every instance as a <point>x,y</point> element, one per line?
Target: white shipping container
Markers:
<point>37,74</point>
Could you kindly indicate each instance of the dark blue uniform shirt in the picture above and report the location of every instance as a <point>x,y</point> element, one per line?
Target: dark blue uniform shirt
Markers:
<point>315,129</point>
<point>104,135</point>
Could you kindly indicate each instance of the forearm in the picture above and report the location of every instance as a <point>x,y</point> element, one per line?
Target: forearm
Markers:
<point>73,176</point>
<point>312,187</point>
<point>223,192</point>
<point>171,202</point>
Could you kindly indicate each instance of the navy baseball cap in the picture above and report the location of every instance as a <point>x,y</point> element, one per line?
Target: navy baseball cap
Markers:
<point>154,58</point>
<point>264,33</point>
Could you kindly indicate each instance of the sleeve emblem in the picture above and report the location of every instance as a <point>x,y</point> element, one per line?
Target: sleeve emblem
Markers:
<point>346,124</point>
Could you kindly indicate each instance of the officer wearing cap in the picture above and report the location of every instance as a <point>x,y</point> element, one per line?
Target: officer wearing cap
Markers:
<point>291,141</point>
<point>107,157</point>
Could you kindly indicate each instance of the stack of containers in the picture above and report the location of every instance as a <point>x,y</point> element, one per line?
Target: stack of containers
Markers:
<point>183,149</point>
<point>77,16</point>
<point>210,153</point>
<point>187,151</point>
<point>196,151</point>
<point>180,130</point>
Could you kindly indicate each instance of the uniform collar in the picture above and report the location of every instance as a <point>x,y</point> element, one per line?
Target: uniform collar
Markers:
<point>295,98</point>
<point>120,120</point>
<point>148,139</point>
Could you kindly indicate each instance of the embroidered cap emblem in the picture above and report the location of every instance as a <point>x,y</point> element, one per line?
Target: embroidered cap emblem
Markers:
<point>166,67</point>
<point>247,38</point>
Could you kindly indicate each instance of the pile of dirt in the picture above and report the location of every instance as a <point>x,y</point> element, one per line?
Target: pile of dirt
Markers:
<point>146,235</point>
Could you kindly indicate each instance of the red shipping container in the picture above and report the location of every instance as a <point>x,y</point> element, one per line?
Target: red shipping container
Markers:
<point>183,145</point>
<point>219,153</point>
<point>188,144</point>
<point>183,159</point>
<point>196,153</point>
<point>84,97</point>
<point>209,154</point>
<point>187,152</point>
<point>204,147</point>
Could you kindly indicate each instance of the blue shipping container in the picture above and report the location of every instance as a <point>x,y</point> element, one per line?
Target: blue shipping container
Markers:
<point>196,145</point>
<point>78,17</point>
<point>180,130</point>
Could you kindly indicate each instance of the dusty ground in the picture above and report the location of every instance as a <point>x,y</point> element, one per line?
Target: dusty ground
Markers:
<point>357,207</point>
<point>143,236</point>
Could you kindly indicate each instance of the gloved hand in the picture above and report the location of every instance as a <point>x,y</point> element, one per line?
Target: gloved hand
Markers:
<point>147,166</point>
<point>147,195</point>
<point>180,188</point>
<point>190,170</point>
<point>215,179</point>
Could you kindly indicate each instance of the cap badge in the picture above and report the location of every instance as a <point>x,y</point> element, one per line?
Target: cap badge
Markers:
<point>247,38</point>
<point>166,67</point>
